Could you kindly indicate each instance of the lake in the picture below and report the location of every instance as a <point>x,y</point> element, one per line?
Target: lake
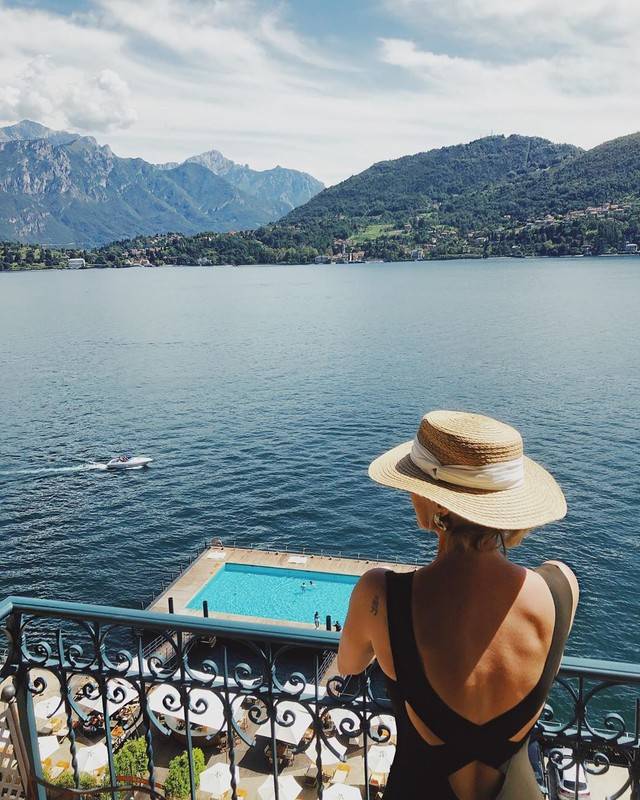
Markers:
<point>262,393</point>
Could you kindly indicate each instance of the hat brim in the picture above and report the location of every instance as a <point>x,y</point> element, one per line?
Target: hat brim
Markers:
<point>537,501</point>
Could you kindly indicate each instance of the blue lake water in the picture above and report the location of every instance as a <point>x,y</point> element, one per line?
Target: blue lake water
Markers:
<point>277,593</point>
<point>262,393</point>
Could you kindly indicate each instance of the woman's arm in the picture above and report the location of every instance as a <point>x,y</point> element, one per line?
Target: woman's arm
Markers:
<point>573,583</point>
<point>356,643</point>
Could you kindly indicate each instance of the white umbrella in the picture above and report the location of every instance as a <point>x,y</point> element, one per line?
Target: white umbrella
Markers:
<point>386,721</point>
<point>338,791</point>
<point>92,758</point>
<point>328,757</point>
<point>211,717</point>
<point>46,709</point>
<point>115,688</point>
<point>340,716</point>
<point>217,779</point>
<point>249,683</point>
<point>288,788</point>
<point>380,757</point>
<point>47,746</point>
<point>290,734</point>
<point>308,690</point>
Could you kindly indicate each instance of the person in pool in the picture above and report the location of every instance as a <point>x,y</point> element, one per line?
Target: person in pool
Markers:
<point>469,643</point>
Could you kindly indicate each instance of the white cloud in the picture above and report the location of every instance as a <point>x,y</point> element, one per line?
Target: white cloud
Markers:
<point>607,74</point>
<point>29,94</point>
<point>45,92</point>
<point>527,26</point>
<point>101,104</point>
<point>164,79</point>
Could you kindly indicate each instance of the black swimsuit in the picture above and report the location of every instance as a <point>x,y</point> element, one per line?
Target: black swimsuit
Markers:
<point>419,764</point>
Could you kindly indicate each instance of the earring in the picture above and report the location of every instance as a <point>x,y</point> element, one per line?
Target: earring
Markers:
<point>437,521</point>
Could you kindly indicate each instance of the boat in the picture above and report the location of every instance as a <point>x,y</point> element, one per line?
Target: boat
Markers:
<point>129,462</point>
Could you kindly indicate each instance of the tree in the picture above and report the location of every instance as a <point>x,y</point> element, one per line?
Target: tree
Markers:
<point>131,759</point>
<point>177,784</point>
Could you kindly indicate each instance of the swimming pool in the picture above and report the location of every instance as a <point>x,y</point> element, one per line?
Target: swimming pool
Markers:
<point>277,593</point>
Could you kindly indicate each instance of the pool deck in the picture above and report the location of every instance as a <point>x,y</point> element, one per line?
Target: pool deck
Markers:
<point>197,574</point>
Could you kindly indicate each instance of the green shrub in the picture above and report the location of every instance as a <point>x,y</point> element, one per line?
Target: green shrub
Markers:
<point>65,780</point>
<point>131,759</point>
<point>177,783</point>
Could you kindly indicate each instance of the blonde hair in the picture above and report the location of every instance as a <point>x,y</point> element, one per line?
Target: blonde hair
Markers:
<point>465,535</point>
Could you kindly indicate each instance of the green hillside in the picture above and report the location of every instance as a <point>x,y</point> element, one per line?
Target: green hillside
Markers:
<point>506,196</point>
<point>417,182</point>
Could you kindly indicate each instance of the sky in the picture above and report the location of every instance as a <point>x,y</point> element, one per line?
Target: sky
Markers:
<point>324,86</point>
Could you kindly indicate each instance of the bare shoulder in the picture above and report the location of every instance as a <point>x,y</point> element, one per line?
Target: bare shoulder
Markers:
<point>569,574</point>
<point>369,593</point>
<point>366,607</point>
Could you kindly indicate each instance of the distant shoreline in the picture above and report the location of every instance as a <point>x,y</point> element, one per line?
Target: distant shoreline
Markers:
<point>462,257</point>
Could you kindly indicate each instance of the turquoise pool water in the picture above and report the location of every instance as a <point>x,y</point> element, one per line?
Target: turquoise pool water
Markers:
<point>277,593</point>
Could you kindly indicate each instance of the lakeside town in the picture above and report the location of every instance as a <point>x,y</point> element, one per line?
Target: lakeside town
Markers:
<point>607,229</point>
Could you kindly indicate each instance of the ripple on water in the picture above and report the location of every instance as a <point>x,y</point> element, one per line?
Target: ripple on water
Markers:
<point>263,394</point>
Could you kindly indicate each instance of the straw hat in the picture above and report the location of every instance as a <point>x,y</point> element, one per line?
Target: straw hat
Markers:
<point>475,467</point>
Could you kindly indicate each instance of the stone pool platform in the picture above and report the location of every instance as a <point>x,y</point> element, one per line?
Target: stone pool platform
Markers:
<point>200,571</point>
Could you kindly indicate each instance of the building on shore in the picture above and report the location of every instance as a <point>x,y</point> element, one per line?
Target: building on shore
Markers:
<point>76,263</point>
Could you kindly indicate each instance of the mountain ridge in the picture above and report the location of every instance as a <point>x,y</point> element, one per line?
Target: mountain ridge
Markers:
<point>500,195</point>
<point>62,188</point>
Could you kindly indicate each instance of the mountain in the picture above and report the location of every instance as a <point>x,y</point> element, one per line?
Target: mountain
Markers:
<point>65,189</point>
<point>607,173</point>
<point>506,196</point>
<point>513,195</point>
<point>28,130</point>
<point>423,181</point>
<point>485,192</point>
<point>216,162</point>
<point>283,189</point>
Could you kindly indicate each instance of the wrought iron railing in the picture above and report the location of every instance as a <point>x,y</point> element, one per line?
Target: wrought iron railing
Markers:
<point>255,699</point>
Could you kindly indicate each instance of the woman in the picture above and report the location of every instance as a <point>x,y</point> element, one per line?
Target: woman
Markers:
<point>470,643</point>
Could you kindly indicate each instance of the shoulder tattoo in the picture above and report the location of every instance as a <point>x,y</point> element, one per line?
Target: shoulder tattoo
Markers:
<point>375,603</point>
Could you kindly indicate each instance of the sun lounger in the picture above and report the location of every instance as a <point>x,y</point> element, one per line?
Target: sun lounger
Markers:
<point>341,774</point>
<point>217,555</point>
<point>297,559</point>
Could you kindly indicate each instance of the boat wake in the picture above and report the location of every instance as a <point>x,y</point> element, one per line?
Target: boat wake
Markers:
<point>35,471</point>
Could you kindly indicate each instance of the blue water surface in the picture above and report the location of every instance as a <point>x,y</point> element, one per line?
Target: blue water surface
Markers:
<point>277,593</point>
<point>262,393</point>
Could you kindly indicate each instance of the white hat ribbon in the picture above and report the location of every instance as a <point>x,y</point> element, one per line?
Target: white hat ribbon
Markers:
<point>490,477</point>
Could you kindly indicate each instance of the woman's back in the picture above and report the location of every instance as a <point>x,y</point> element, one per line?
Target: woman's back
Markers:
<point>483,628</point>
<point>464,642</point>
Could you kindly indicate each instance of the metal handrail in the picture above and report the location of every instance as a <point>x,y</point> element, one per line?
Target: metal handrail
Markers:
<point>617,671</point>
<point>262,686</point>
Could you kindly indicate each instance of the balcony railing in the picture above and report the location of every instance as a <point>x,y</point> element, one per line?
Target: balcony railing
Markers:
<point>255,698</point>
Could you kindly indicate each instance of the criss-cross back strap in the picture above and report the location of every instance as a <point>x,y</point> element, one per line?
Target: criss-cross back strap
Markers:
<point>488,742</point>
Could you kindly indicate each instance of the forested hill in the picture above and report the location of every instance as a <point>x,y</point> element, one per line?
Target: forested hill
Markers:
<point>607,173</point>
<point>507,196</point>
<point>417,182</point>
